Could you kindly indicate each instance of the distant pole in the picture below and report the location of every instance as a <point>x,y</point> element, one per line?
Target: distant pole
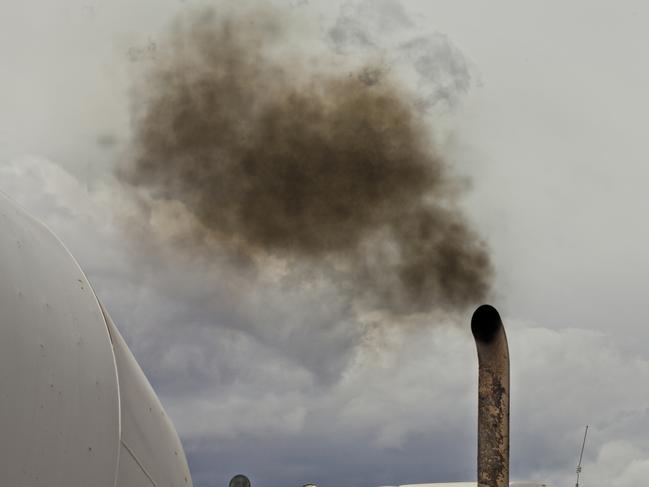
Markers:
<point>581,455</point>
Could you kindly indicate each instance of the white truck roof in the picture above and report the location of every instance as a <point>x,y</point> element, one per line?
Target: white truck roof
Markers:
<point>469,484</point>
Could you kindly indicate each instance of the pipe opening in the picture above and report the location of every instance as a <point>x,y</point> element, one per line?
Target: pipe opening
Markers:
<point>485,323</point>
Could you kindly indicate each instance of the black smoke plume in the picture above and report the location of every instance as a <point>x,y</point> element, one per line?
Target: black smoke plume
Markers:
<point>279,155</point>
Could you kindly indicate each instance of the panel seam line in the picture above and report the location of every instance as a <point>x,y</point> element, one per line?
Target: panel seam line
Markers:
<point>137,460</point>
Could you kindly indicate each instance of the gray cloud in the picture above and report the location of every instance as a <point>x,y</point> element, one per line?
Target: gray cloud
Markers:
<point>399,405</point>
<point>438,72</point>
<point>242,387</point>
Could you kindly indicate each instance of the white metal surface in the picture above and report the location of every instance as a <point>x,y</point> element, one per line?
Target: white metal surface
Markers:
<point>75,407</point>
<point>59,410</point>
<point>148,438</point>
<point>471,484</point>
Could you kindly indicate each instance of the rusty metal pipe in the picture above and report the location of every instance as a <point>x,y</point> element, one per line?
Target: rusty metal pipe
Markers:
<point>493,397</point>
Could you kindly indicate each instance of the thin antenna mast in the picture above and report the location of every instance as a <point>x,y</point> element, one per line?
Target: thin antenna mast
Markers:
<point>583,444</point>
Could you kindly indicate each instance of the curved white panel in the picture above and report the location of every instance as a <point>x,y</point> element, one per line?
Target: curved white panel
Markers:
<point>59,408</point>
<point>149,440</point>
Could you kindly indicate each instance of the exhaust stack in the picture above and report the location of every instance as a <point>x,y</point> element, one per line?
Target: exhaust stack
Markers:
<point>493,397</point>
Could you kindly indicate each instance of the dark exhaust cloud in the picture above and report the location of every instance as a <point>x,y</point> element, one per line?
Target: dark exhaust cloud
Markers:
<point>277,155</point>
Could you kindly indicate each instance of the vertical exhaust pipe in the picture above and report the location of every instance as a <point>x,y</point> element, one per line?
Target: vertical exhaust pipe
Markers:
<point>493,397</point>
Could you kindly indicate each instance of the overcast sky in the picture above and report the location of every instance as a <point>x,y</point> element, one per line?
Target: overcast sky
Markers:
<point>540,105</point>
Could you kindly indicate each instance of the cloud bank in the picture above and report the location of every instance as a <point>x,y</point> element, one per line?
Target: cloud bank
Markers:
<point>289,407</point>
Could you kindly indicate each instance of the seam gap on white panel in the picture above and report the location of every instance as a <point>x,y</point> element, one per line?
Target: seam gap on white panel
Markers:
<point>137,460</point>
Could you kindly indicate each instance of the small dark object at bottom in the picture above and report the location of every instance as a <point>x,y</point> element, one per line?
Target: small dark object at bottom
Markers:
<point>239,481</point>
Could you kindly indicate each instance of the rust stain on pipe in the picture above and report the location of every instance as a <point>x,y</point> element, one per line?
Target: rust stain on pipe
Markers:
<point>493,397</point>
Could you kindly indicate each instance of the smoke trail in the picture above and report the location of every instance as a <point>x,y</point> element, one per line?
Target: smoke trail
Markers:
<point>276,156</point>
<point>438,69</point>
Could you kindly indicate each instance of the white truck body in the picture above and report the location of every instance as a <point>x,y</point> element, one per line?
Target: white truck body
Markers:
<point>469,484</point>
<point>75,407</point>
